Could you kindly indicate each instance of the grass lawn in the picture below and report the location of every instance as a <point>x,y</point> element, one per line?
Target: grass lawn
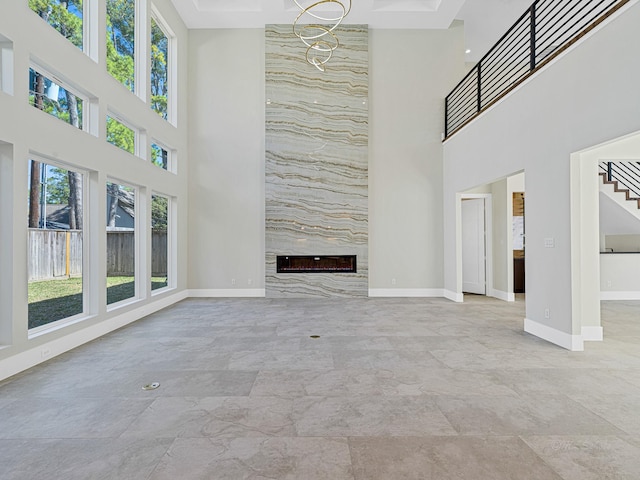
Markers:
<point>52,300</point>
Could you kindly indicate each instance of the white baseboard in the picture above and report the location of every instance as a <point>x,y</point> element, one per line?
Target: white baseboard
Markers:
<point>574,343</point>
<point>227,292</point>
<point>454,296</point>
<point>406,292</point>
<point>32,357</point>
<point>500,295</point>
<point>632,295</point>
<point>592,334</point>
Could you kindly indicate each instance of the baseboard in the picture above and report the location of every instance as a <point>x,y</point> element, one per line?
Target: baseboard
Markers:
<point>500,295</point>
<point>592,334</point>
<point>406,292</point>
<point>565,340</point>
<point>227,292</point>
<point>454,296</point>
<point>632,295</point>
<point>32,357</point>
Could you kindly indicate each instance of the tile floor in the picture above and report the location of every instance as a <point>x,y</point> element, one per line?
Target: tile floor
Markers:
<point>393,389</point>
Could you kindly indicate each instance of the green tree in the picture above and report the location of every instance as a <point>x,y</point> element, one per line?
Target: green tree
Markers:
<point>121,41</point>
<point>159,212</point>
<point>159,69</point>
<point>57,186</point>
<point>63,15</point>
<point>120,135</point>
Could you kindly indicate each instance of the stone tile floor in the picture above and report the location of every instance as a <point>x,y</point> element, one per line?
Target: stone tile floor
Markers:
<point>393,389</point>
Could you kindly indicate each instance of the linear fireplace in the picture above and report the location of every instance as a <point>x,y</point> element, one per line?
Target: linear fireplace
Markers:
<point>316,264</point>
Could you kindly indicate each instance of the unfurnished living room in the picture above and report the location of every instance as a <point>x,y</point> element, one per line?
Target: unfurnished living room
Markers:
<point>287,239</point>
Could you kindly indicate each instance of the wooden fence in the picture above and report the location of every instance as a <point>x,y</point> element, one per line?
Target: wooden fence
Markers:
<point>58,253</point>
<point>54,253</point>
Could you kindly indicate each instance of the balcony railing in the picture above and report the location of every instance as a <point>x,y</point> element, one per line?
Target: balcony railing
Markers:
<point>544,30</point>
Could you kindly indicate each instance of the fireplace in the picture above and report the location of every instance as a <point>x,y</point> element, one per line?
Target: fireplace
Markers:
<point>316,264</point>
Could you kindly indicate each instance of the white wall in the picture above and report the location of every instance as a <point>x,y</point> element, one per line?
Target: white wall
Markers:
<point>619,279</point>
<point>586,96</point>
<point>410,73</point>
<point>226,177</point>
<point>24,130</point>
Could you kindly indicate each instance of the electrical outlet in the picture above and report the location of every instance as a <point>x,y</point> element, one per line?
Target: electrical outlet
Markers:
<point>547,313</point>
<point>249,282</point>
<point>609,283</point>
<point>46,352</point>
<point>233,281</point>
<point>393,281</point>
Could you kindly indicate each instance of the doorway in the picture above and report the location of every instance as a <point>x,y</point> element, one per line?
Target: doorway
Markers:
<point>476,263</point>
<point>518,243</point>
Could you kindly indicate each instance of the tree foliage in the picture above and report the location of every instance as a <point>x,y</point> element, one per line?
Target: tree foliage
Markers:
<point>120,135</point>
<point>121,41</point>
<point>159,212</point>
<point>63,15</point>
<point>57,186</point>
<point>159,69</point>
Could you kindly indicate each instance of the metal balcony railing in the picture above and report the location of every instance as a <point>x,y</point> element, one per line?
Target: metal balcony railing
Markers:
<point>627,174</point>
<point>544,30</point>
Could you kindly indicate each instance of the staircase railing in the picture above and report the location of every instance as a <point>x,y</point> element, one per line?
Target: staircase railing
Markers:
<point>627,174</point>
<point>547,28</point>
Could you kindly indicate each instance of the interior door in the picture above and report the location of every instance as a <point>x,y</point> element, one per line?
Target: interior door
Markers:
<point>473,246</point>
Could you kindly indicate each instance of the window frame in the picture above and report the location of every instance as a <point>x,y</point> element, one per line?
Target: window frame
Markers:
<point>137,233</point>
<point>138,149</point>
<point>87,310</point>
<point>172,62</point>
<point>170,255</point>
<point>61,81</point>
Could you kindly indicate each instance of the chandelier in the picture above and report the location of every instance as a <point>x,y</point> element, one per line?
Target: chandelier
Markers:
<point>320,39</point>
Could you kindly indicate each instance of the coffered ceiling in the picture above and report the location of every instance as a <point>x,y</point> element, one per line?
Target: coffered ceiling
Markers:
<point>485,20</point>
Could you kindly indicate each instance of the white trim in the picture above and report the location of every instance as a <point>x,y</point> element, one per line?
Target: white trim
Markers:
<point>227,292</point>
<point>454,296</point>
<point>488,236</point>
<point>570,342</point>
<point>500,295</point>
<point>633,295</point>
<point>406,292</point>
<point>592,334</point>
<point>45,351</point>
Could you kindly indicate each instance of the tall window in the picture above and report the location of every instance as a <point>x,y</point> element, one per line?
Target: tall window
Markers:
<point>159,241</point>
<point>48,96</point>
<point>121,136</point>
<point>121,244</point>
<point>55,243</point>
<point>63,15</point>
<point>121,41</point>
<point>159,69</point>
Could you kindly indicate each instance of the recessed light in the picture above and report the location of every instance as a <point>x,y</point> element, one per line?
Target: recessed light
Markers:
<point>467,50</point>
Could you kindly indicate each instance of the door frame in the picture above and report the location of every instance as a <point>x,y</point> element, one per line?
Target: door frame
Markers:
<point>488,245</point>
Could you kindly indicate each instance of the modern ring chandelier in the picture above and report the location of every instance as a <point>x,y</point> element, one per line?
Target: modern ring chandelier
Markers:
<point>320,39</point>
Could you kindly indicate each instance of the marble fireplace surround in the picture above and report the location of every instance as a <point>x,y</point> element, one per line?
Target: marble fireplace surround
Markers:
<point>316,162</point>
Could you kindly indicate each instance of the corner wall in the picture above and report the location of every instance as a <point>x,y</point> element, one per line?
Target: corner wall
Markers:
<point>585,97</point>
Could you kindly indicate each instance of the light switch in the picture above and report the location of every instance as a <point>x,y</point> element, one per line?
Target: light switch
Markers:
<point>549,242</point>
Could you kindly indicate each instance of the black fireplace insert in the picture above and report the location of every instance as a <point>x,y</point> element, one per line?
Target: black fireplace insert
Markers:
<point>316,264</point>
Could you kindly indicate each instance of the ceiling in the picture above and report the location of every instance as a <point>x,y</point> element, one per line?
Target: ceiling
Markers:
<point>485,20</point>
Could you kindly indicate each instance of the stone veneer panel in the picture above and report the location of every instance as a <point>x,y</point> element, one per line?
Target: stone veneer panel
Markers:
<point>316,167</point>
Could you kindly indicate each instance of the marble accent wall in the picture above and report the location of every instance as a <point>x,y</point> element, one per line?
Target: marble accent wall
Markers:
<point>316,168</point>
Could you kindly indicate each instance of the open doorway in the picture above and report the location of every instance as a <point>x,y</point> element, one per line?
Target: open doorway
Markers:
<point>518,230</point>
